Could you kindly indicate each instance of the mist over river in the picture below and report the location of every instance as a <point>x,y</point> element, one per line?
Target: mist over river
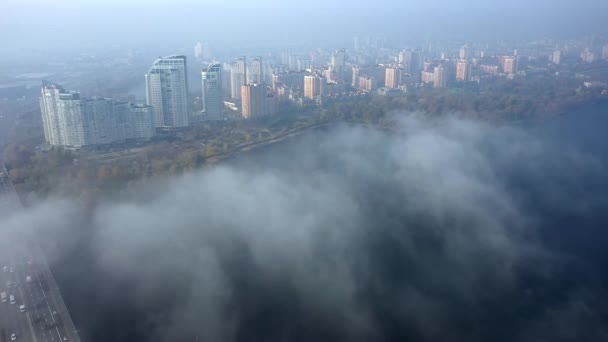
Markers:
<point>458,231</point>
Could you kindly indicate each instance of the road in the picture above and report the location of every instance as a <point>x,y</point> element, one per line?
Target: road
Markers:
<point>25,274</point>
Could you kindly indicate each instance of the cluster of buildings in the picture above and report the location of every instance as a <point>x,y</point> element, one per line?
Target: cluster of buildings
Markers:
<point>73,121</point>
<point>248,84</point>
<point>258,87</point>
<point>70,120</point>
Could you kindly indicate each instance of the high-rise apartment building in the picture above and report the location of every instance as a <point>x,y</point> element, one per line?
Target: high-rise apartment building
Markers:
<point>140,122</point>
<point>253,100</point>
<point>587,56</point>
<point>69,120</point>
<point>167,91</point>
<point>255,71</point>
<point>466,52</point>
<point>198,51</point>
<point>338,63</point>
<point>238,77</point>
<point>440,77</point>
<point>367,83</point>
<point>213,97</point>
<point>556,57</point>
<point>411,61</point>
<point>509,65</point>
<point>314,85</point>
<point>393,78</point>
<point>463,70</point>
<point>356,71</point>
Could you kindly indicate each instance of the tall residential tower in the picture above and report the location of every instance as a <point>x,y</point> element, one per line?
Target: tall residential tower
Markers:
<point>167,91</point>
<point>255,71</point>
<point>213,99</point>
<point>238,77</point>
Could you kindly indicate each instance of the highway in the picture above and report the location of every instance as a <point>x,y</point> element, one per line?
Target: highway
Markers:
<point>25,274</point>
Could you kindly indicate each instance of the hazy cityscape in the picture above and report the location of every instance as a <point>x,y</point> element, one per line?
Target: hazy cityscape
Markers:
<point>273,171</point>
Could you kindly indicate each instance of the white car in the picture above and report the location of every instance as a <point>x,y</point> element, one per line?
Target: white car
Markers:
<point>22,308</point>
<point>13,337</point>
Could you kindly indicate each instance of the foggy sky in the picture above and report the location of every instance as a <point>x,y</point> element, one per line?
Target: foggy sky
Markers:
<point>447,230</point>
<point>70,25</point>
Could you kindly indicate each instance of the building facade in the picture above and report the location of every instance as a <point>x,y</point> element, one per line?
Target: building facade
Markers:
<point>466,52</point>
<point>338,64</point>
<point>238,77</point>
<point>255,71</point>
<point>253,100</point>
<point>509,65</point>
<point>393,78</point>
<point>167,91</point>
<point>440,77</point>
<point>463,70</point>
<point>314,86</point>
<point>213,97</point>
<point>69,120</point>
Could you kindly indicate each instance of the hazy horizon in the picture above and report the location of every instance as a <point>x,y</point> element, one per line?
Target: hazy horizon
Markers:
<point>64,26</point>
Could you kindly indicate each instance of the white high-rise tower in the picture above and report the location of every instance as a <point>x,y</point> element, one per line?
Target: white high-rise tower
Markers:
<point>167,91</point>
<point>213,101</point>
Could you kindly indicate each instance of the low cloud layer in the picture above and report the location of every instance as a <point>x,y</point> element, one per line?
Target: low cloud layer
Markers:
<point>444,231</point>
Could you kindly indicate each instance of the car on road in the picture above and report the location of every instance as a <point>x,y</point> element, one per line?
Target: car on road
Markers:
<point>12,299</point>
<point>22,307</point>
<point>11,270</point>
<point>28,279</point>
<point>13,337</point>
<point>5,269</point>
<point>3,296</point>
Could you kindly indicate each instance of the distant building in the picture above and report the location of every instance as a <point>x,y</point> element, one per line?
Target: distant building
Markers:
<point>427,77</point>
<point>238,77</point>
<point>466,52</point>
<point>255,71</point>
<point>253,97</point>
<point>271,104</point>
<point>314,86</point>
<point>140,122</point>
<point>367,83</point>
<point>213,97</point>
<point>375,74</point>
<point>69,120</point>
<point>291,80</point>
<point>410,61</point>
<point>198,51</point>
<point>587,56</point>
<point>393,78</point>
<point>556,57</point>
<point>299,63</point>
<point>440,77</point>
<point>338,64</point>
<point>167,91</point>
<point>463,70</point>
<point>489,69</point>
<point>509,65</point>
<point>355,75</point>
